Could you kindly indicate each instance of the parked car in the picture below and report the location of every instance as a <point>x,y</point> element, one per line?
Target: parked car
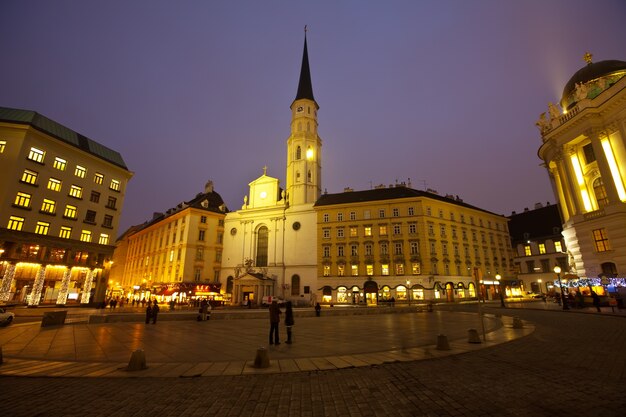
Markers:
<point>6,317</point>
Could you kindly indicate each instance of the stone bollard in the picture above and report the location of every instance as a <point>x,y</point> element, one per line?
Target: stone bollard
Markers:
<point>262,359</point>
<point>137,361</point>
<point>517,323</point>
<point>473,337</point>
<point>442,342</point>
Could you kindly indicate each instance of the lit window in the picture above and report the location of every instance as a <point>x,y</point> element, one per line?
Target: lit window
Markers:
<point>54,184</point>
<point>3,144</point>
<point>382,230</point>
<point>22,200</point>
<point>326,270</point>
<point>98,178</point>
<point>601,240</point>
<point>542,248</point>
<point>94,197</point>
<point>415,268</point>
<point>104,239</point>
<point>48,206</point>
<point>108,221</point>
<point>384,269</point>
<point>29,177</point>
<point>368,230</point>
<point>42,228</point>
<point>527,250</point>
<point>115,185</point>
<point>399,269</point>
<point>112,202</point>
<point>558,247</point>
<point>59,163</point>
<point>353,231</point>
<point>85,236</point>
<point>36,155</point>
<point>355,270</point>
<point>15,223</point>
<point>80,172</point>
<point>341,270</point>
<point>70,212</point>
<point>66,232</point>
<point>76,191</point>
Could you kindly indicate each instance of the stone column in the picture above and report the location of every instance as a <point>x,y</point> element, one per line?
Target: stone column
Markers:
<point>567,174</point>
<point>65,284</point>
<point>87,287</point>
<point>7,280</point>
<point>603,166</point>
<point>35,294</point>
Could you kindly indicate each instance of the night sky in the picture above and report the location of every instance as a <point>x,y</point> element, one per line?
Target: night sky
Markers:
<point>445,93</point>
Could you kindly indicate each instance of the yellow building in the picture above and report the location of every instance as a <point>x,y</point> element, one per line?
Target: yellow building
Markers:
<point>176,255</point>
<point>62,195</point>
<point>375,244</point>
<point>584,150</point>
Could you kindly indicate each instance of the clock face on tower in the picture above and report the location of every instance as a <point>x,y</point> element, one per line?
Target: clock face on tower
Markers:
<point>299,109</point>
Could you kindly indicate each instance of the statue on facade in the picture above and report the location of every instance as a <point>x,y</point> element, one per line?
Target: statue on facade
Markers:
<point>554,111</point>
<point>581,91</point>
<point>543,123</point>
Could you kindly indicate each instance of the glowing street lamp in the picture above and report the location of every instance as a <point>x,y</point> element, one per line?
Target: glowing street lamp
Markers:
<point>539,284</point>
<point>557,271</point>
<point>498,278</point>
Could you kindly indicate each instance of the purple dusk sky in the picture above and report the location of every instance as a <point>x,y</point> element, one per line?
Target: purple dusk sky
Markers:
<point>443,92</point>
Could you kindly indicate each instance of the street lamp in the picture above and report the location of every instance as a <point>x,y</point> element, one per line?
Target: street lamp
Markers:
<point>408,291</point>
<point>498,278</point>
<point>557,271</point>
<point>539,284</point>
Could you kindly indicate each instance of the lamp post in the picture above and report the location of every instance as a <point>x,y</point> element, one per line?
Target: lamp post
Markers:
<point>539,284</point>
<point>557,271</point>
<point>498,278</point>
<point>408,291</point>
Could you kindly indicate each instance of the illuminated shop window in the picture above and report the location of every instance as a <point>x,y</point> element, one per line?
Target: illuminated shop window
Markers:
<point>22,200</point>
<point>54,184</point>
<point>115,185</point>
<point>80,171</point>
<point>85,236</point>
<point>48,206</point>
<point>98,178</point>
<point>65,232</point>
<point>104,239</point>
<point>601,240</point>
<point>29,177</point>
<point>76,191</point>
<point>70,212</point>
<point>59,163</point>
<point>15,223</point>
<point>36,155</point>
<point>42,228</point>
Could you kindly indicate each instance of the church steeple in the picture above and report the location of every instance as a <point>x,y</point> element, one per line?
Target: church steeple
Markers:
<point>305,87</point>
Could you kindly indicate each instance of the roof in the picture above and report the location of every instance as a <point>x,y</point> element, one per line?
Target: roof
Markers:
<point>590,72</point>
<point>378,194</point>
<point>305,87</point>
<point>537,224</point>
<point>63,133</point>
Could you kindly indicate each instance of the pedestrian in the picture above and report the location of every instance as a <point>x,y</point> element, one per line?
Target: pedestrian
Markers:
<point>155,312</point>
<point>289,322</point>
<point>318,309</point>
<point>204,308</point>
<point>596,300</point>
<point>274,321</point>
<point>148,313</point>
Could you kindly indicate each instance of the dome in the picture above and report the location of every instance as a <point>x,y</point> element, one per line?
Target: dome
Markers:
<point>590,72</point>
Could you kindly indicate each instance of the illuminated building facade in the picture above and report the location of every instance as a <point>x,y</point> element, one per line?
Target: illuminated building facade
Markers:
<point>62,195</point>
<point>410,245</point>
<point>584,151</point>
<point>176,255</point>
<point>269,246</point>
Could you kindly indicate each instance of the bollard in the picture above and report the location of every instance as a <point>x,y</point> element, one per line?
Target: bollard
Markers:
<point>517,323</point>
<point>137,361</point>
<point>262,359</point>
<point>442,342</point>
<point>473,336</point>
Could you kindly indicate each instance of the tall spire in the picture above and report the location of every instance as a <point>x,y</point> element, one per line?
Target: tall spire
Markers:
<point>305,88</point>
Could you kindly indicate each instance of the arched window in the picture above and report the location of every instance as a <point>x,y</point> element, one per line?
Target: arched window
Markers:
<point>261,246</point>
<point>295,285</point>
<point>600,192</point>
<point>298,153</point>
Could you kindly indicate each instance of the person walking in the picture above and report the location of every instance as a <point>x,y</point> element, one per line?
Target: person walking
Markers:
<point>155,312</point>
<point>289,322</point>
<point>596,300</point>
<point>204,308</point>
<point>148,313</point>
<point>318,309</point>
<point>274,321</point>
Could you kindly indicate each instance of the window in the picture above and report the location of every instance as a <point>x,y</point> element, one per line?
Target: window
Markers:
<point>600,193</point>
<point>15,223</point>
<point>76,191</point>
<point>384,248</point>
<point>341,270</point>
<point>601,240</point>
<point>366,214</point>
<point>326,270</point>
<point>339,217</point>
<point>442,230</point>
<point>112,202</point>
<point>352,215</point>
<point>395,212</point>
<point>368,230</point>
<point>298,153</point>
<point>326,251</point>
<point>59,163</point>
<point>429,211</point>
<point>444,249</point>
<point>115,185</point>
<point>29,177</point>
<point>353,231</point>
<point>414,248</point>
<point>558,247</point>
<point>108,221</point>
<point>355,270</point>
<point>398,248</point>
<point>397,229</point>
<point>415,268</point>
<point>369,270</point>
<point>433,248</point>
<point>412,228</point>
<point>3,144</point>
<point>326,217</point>
<point>54,184</point>
<point>340,232</point>
<point>326,233</point>
<point>399,269</point>
<point>354,250</point>
<point>42,228</point>
<point>384,269</point>
<point>36,155</point>
<point>527,250</point>
<point>462,218</point>
<point>368,249</point>
<point>90,217</point>
<point>80,172</point>
<point>589,154</point>
<point>464,232</point>
<point>65,232</point>
<point>48,206</point>
<point>104,239</point>
<point>440,212</point>
<point>542,248</point>
<point>453,232</point>
<point>201,235</point>
<point>220,238</point>
<point>261,246</point>
<point>431,229</point>
<point>381,213</point>
<point>411,211</point>
<point>98,178</point>
<point>545,265</point>
<point>22,200</point>
<point>340,251</point>
<point>85,236</point>
<point>382,230</point>
<point>95,197</point>
<point>199,254</point>
<point>202,219</point>
<point>70,212</point>
<point>295,285</point>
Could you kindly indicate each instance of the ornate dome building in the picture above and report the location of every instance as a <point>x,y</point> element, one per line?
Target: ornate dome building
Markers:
<point>584,151</point>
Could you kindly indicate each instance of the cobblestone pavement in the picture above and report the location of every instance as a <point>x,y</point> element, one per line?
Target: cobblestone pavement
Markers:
<point>573,364</point>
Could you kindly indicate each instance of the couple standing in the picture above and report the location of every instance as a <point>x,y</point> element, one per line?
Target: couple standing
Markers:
<point>275,320</point>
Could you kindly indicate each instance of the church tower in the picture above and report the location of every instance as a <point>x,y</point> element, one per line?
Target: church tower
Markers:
<point>304,146</point>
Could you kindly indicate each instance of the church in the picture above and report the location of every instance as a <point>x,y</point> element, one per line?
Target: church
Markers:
<point>270,243</point>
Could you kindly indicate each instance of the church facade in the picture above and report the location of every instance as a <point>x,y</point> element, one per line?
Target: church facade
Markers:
<point>270,243</point>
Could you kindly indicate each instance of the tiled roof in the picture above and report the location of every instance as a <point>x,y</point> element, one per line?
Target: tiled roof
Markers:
<point>62,133</point>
